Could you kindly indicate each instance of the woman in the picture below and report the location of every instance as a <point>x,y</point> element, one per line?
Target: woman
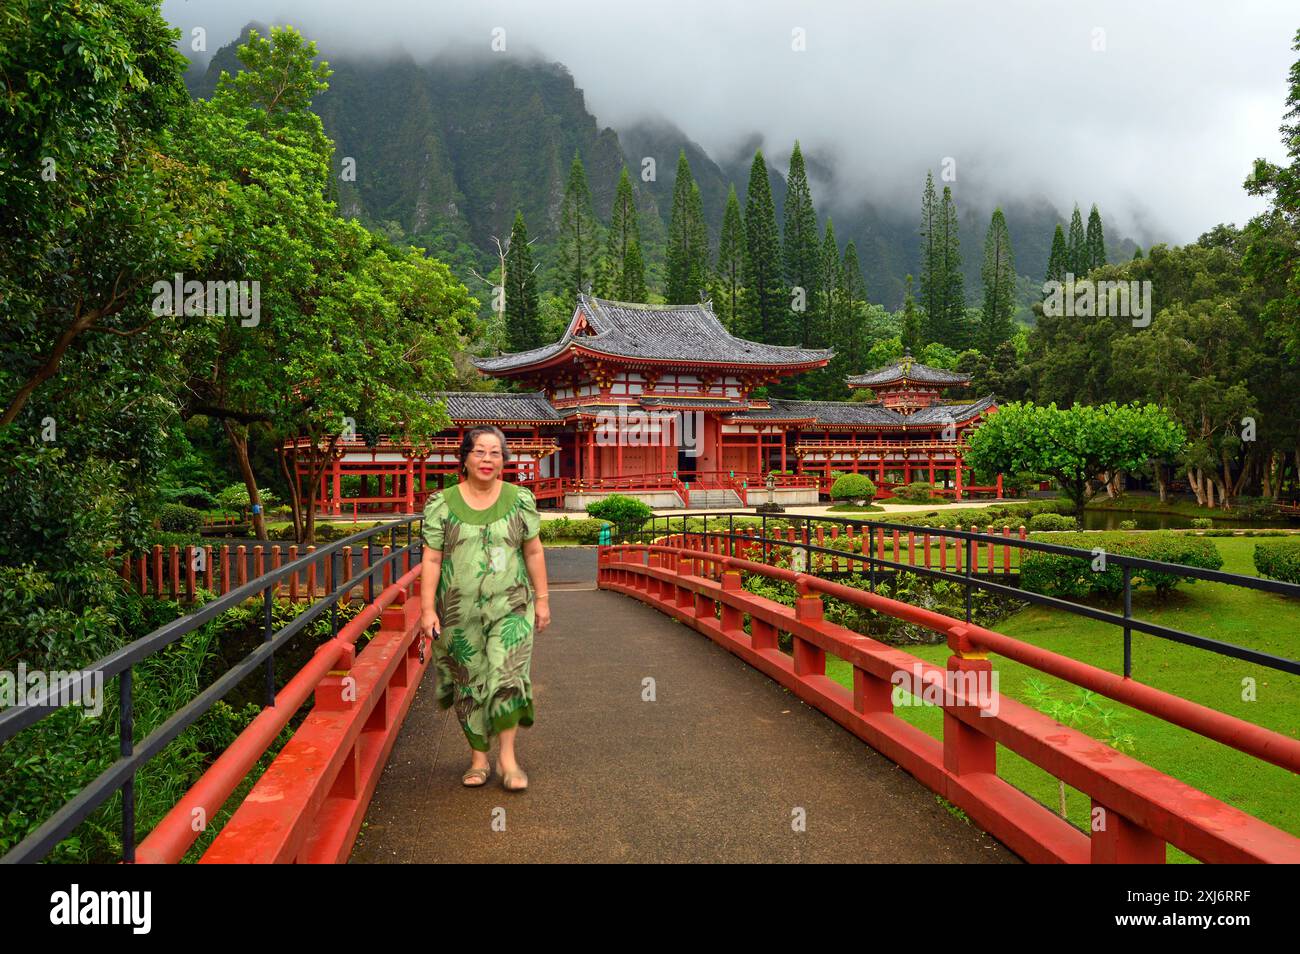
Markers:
<point>476,603</point>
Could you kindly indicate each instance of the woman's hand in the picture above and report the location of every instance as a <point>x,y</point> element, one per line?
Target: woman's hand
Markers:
<point>543,613</point>
<point>430,625</point>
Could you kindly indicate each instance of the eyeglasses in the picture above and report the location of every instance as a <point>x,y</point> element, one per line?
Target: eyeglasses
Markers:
<point>485,455</point>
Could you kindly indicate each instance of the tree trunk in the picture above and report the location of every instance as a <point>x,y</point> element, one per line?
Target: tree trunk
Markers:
<point>295,498</point>
<point>1162,485</point>
<point>239,444</point>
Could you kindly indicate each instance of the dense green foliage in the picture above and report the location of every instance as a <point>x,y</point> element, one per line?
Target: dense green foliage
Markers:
<point>1090,574</point>
<point>1279,559</point>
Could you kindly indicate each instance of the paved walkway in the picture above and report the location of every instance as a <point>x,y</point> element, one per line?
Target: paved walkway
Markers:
<point>711,771</point>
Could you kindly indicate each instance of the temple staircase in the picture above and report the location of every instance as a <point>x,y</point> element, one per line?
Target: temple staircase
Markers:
<point>715,498</point>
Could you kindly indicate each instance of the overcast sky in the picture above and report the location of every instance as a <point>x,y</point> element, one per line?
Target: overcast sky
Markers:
<point>1153,110</point>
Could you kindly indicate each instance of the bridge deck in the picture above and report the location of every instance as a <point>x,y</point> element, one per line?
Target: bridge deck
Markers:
<point>710,772</point>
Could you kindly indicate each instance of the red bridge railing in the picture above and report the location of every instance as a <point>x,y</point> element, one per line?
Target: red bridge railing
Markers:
<point>1137,810</point>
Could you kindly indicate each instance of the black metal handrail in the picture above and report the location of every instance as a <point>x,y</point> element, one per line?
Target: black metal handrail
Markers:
<point>121,774</point>
<point>966,578</point>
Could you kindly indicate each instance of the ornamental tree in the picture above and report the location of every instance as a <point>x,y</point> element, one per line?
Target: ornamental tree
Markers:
<point>1077,446</point>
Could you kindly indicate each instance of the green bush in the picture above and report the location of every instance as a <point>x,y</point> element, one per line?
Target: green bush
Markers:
<point>1053,521</point>
<point>1128,524</point>
<point>1279,559</point>
<point>576,530</point>
<point>1202,523</point>
<point>178,518</point>
<point>627,514</point>
<point>853,487</point>
<point>917,490</point>
<point>1073,576</point>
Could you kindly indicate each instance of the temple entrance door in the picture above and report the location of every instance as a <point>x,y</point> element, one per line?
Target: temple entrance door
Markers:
<point>686,465</point>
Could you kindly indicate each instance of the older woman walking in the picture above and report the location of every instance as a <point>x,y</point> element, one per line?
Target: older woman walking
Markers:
<point>481,547</point>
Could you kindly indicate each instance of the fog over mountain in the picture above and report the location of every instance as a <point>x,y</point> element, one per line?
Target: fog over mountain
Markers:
<point>1154,111</point>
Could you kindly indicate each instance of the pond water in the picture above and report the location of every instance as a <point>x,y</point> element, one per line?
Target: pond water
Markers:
<point>1110,520</point>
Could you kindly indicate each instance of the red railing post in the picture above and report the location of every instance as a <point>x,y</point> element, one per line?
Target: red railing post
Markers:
<point>809,658</point>
<point>1117,841</point>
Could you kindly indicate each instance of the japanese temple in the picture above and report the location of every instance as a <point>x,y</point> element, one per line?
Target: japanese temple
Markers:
<point>658,402</point>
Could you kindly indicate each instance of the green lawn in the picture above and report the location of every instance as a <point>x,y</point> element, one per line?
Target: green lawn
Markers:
<point>1258,620</point>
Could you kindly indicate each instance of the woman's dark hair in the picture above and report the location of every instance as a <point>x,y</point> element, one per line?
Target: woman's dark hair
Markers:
<point>472,436</point>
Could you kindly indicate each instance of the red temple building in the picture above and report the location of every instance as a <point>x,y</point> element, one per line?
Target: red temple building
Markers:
<point>657,402</point>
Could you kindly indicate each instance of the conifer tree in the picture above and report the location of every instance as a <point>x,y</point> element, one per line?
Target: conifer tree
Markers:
<point>1076,247</point>
<point>729,275</point>
<point>1137,253</point>
<point>999,277</point>
<point>765,302</point>
<point>1095,241</point>
<point>950,324</point>
<point>687,256</point>
<point>615,281</point>
<point>1058,262</point>
<point>852,285</point>
<point>800,248</point>
<point>911,325</point>
<point>523,325</point>
<point>579,240</point>
<point>931,280</point>
<point>830,281</point>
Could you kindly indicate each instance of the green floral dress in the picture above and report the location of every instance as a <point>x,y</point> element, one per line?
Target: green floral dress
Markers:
<point>486,609</point>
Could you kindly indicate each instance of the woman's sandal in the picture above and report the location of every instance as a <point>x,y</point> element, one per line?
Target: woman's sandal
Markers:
<point>513,774</point>
<point>482,774</point>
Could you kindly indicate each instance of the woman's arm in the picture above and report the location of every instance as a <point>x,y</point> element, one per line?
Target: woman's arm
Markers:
<point>535,560</point>
<point>430,573</point>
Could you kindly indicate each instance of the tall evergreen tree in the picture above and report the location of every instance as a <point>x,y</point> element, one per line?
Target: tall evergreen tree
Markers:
<point>579,240</point>
<point>1095,241</point>
<point>1058,260</point>
<point>688,251</point>
<point>830,281</point>
<point>729,275</point>
<point>1137,253</point>
<point>950,324</point>
<point>999,277</point>
<point>852,285</point>
<point>1076,246</point>
<point>615,280</point>
<point>800,248</point>
<point>931,268</point>
<point>911,324</point>
<point>765,300</point>
<point>523,324</point>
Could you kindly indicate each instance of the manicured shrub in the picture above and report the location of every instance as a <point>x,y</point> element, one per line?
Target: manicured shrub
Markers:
<point>1073,576</point>
<point>1052,521</point>
<point>1128,524</point>
<point>853,487</point>
<point>627,514</point>
<point>1202,523</point>
<point>917,490</point>
<point>577,531</point>
<point>178,518</point>
<point>1279,559</point>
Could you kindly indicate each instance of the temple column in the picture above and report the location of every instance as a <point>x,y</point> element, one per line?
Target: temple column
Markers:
<point>999,486</point>
<point>959,477</point>
<point>335,507</point>
<point>930,457</point>
<point>591,452</point>
<point>783,432</point>
<point>410,485</point>
<point>618,431</point>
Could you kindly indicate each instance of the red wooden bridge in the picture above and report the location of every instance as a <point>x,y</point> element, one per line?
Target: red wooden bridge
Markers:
<point>372,773</point>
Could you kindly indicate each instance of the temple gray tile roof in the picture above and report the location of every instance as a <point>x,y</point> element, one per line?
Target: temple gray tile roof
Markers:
<point>906,368</point>
<point>661,332</point>
<point>501,406</point>
<point>863,414</point>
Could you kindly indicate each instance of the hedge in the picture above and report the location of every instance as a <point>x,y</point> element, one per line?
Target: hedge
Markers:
<point>579,530</point>
<point>1279,559</point>
<point>918,490</point>
<point>1053,521</point>
<point>1073,576</point>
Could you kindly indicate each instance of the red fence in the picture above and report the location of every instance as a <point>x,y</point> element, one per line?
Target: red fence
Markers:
<point>308,805</point>
<point>176,573</point>
<point>1136,810</point>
